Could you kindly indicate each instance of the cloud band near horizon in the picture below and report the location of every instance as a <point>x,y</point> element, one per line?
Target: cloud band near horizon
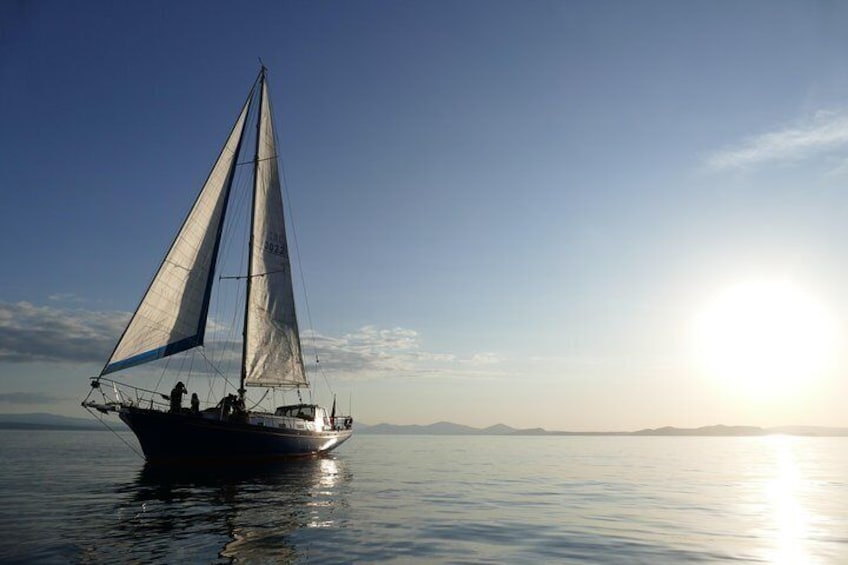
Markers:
<point>33,334</point>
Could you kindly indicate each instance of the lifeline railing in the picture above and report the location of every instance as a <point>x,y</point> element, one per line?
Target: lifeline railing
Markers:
<point>123,394</point>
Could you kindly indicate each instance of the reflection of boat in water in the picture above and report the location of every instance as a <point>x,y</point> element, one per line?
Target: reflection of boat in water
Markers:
<point>172,318</point>
<point>247,513</point>
<point>303,473</point>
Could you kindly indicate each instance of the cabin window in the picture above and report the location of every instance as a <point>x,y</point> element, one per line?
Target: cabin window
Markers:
<point>302,411</point>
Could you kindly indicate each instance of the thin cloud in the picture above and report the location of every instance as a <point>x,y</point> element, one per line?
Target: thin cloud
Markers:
<point>371,352</point>
<point>824,132</point>
<point>28,398</point>
<point>30,333</point>
<point>65,297</point>
<point>481,359</point>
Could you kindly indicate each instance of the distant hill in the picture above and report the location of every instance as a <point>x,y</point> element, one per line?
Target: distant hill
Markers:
<point>718,430</point>
<point>439,428</point>
<point>42,421</point>
<point>447,428</point>
<point>498,429</point>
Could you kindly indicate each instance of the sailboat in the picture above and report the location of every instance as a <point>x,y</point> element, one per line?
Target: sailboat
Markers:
<point>172,318</point>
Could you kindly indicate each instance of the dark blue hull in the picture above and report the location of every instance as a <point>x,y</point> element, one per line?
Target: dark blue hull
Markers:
<point>166,437</point>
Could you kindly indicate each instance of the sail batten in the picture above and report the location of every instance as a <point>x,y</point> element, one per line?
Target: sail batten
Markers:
<point>272,354</point>
<point>171,317</point>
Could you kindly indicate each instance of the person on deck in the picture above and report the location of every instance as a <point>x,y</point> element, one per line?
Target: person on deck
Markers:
<point>226,406</point>
<point>195,403</point>
<point>177,397</point>
<point>239,412</point>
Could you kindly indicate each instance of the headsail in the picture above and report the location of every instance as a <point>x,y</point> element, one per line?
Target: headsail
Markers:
<point>272,355</point>
<point>172,315</point>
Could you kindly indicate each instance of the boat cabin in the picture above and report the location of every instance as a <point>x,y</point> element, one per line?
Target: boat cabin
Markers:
<point>308,412</point>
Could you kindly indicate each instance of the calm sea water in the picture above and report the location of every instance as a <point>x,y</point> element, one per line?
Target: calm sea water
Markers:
<point>84,497</point>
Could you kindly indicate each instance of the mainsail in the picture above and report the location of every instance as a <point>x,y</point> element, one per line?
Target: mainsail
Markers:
<point>272,355</point>
<point>172,315</point>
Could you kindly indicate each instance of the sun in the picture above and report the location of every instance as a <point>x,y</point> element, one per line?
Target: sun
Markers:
<point>765,337</point>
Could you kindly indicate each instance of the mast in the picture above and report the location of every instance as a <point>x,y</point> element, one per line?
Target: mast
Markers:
<point>241,389</point>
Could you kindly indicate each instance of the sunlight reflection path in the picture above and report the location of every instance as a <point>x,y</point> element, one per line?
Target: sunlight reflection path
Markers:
<point>784,493</point>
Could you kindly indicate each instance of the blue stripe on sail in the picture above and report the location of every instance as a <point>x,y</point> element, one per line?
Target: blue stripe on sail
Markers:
<point>153,354</point>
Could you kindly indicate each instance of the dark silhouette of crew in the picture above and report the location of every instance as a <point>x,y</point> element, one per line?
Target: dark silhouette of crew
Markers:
<point>177,397</point>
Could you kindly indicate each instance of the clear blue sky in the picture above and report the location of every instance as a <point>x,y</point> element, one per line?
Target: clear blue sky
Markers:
<point>507,211</point>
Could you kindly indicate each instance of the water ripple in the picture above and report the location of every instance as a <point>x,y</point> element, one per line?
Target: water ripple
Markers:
<point>81,497</point>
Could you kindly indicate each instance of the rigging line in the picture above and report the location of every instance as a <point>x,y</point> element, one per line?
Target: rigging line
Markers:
<point>164,370</point>
<point>191,366</point>
<point>259,401</point>
<point>235,228</point>
<point>236,206</point>
<point>323,373</point>
<point>216,332</point>
<point>181,370</point>
<point>224,250</point>
<point>125,385</point>
<point>232,222</point>
<point>102,421</point>
<point>214,368</point>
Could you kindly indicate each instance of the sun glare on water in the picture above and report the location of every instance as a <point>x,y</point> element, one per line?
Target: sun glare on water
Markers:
<point>764,337</point>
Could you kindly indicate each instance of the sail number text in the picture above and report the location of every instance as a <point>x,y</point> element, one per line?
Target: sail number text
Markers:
<point>275,248</point>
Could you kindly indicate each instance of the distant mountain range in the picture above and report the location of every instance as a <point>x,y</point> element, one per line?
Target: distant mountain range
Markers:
<point>54,422</point>
<point>448,428</point>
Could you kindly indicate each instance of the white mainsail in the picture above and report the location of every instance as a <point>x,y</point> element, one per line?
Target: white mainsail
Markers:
<point>272,355</point>
<point>172,315</point>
